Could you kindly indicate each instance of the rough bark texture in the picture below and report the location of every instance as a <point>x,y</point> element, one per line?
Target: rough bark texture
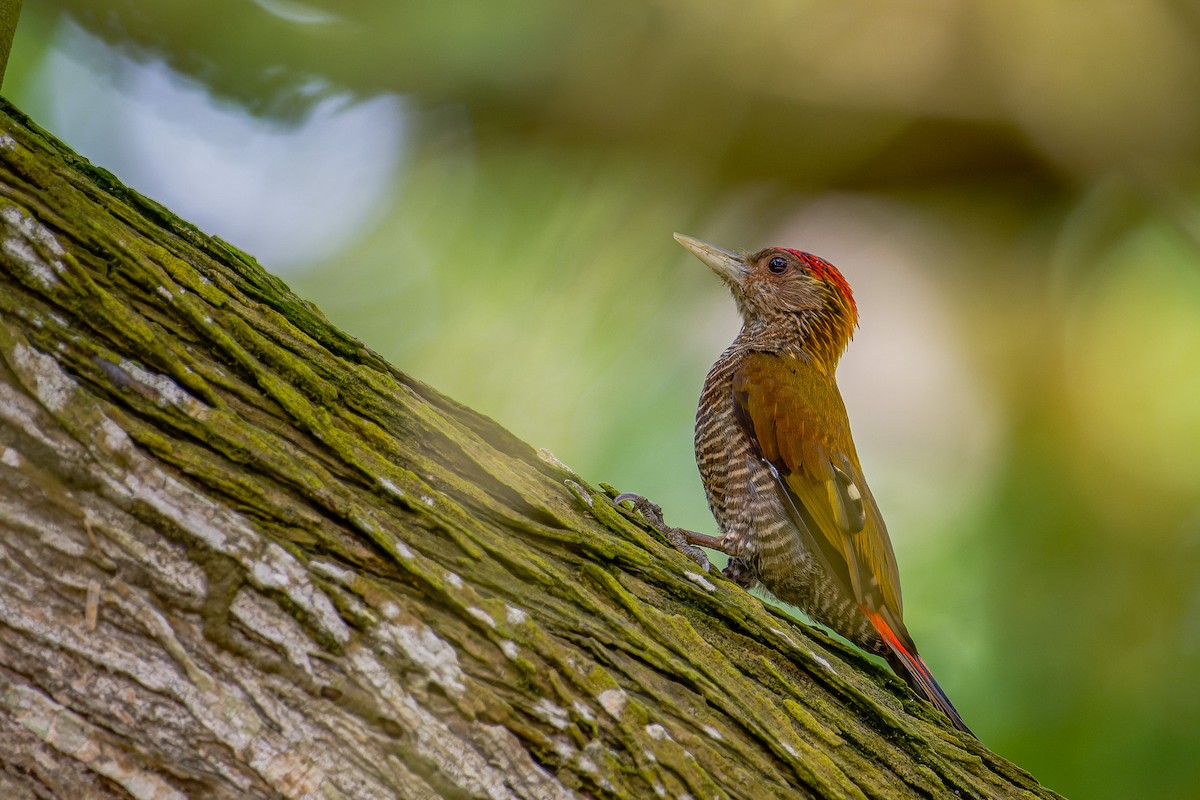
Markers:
<point>242,556</point>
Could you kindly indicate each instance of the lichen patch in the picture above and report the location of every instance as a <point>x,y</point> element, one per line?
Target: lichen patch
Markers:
<point>33,246</point>
<point>554,714</point>
<point>430,652</point>
<point>52,386</point>
<point>613,701</point>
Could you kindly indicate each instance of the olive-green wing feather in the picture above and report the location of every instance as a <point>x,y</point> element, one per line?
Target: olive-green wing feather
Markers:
<point>795,416</point>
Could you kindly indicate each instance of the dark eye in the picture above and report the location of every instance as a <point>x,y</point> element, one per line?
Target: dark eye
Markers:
<point>778,265</point>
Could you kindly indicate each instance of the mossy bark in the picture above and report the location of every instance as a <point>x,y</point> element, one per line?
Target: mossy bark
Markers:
<point>243,556</point>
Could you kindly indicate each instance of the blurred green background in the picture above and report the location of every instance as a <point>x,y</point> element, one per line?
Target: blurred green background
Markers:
<point>485,193</point>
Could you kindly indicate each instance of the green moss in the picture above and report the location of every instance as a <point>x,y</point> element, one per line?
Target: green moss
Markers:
<point>360,472</point>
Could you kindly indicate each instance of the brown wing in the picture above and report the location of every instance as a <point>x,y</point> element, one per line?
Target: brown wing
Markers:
<point>795,416</point>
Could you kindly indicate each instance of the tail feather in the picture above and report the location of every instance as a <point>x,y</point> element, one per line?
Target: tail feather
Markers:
<point>908,665</point>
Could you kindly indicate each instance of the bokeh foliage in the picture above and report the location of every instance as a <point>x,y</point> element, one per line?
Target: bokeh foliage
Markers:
<point>1013,189</point>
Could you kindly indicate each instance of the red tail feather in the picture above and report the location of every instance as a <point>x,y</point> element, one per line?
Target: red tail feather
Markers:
<point>908,665</point>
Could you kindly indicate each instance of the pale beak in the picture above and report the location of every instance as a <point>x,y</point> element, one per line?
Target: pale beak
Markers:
<point>729,266</point>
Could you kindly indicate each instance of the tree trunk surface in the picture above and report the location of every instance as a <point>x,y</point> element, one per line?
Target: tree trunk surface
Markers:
<point>242,556</point>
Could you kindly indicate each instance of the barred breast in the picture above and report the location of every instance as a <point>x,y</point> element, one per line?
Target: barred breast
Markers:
<point>748,504</point>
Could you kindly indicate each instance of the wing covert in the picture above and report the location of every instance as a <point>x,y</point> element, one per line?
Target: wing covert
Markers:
<point>795,416</point>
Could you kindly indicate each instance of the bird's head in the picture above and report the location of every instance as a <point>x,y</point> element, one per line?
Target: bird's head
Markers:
<point>786,293</point>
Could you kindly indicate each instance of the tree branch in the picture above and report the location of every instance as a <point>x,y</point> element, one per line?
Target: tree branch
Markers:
<point>242,556</point>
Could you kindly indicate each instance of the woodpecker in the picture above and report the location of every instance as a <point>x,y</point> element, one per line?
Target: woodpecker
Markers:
<point>778,463</point>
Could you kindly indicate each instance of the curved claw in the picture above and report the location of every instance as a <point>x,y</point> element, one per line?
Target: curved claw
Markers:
<point>679,538</point>
<point>648,509</point>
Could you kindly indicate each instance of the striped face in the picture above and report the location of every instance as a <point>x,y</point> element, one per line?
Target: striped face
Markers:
<point>829,274</point>
<point>781,280</point>
<point>790,300</point>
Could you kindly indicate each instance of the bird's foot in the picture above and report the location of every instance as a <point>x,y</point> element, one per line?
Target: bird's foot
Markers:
<point>740,573</point>
<point>686,542</point>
